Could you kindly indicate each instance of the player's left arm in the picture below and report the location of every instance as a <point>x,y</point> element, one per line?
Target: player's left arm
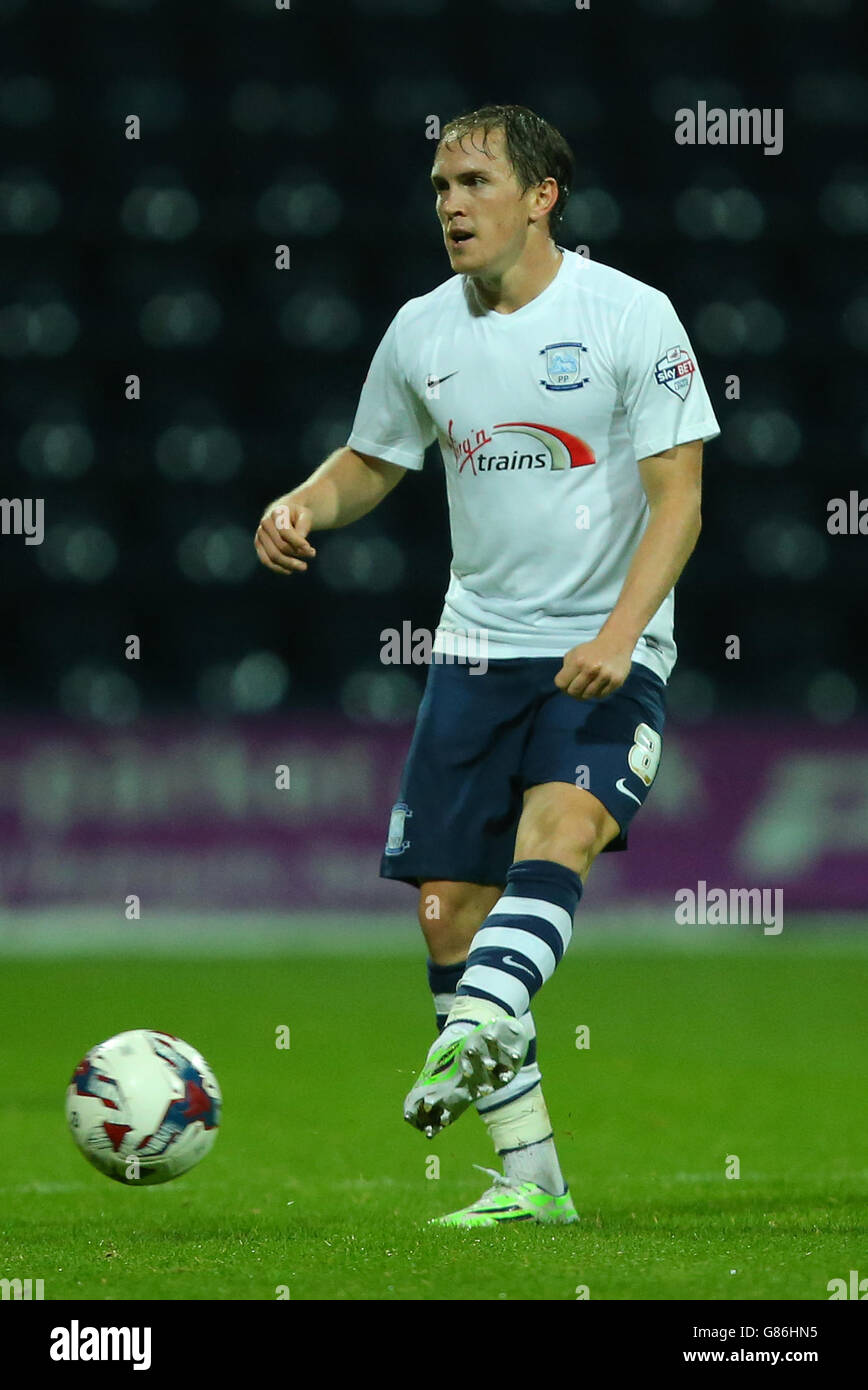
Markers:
<point>673,486</point>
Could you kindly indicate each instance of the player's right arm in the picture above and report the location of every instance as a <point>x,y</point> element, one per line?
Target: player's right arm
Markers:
<point>347,486</point>
<point>391,430</point>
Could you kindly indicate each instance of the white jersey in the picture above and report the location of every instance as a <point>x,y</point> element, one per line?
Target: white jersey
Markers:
<point>541,416</point>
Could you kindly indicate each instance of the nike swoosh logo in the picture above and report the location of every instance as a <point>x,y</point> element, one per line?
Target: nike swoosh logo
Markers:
<point>621,788</point>
<point>438,380</point>
<point>508,960</point>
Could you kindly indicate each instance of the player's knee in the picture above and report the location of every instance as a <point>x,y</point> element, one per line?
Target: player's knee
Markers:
<point>576,842</point>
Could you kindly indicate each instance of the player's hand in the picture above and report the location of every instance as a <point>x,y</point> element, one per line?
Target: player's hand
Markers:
<point>594,670</point>
<point>281,537</point>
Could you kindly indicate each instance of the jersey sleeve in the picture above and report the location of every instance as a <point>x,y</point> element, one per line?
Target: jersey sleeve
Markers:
<point>391,421</point>
<point>662,390</point>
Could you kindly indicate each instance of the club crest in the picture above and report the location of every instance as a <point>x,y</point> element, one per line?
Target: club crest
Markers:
<point>563,366</point>
<point>395,842</point>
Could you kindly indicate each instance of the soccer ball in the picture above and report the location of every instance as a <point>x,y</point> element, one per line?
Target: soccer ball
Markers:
<point>143,1107</point>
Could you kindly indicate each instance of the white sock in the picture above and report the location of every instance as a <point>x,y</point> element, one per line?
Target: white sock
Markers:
<point>467,1007</point>
<point>464,1015</point>
<point>522,1135</point>
<point>536,1163</point>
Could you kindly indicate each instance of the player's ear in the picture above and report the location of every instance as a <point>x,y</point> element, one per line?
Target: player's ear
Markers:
<point>545,197</point>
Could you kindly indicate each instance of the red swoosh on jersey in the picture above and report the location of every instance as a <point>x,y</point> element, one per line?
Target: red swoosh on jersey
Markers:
<point>580,453</point>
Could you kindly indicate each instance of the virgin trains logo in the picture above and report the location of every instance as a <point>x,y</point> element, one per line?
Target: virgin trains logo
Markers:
<point>485,453</point>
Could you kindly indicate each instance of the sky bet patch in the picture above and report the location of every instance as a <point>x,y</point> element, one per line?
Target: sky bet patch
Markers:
<point>675,371</point>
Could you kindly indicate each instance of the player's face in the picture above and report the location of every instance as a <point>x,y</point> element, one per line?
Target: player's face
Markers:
<point>478,194</point>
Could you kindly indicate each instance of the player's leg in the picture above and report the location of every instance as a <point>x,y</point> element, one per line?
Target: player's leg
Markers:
<point>450,914</point>
<point>516,1115</point>
<point>471,1061</point>
<point>477,743</point>
<point>459,804</point>
<point>566,824</point>
<point>521,942</point>
<point>482,1047</point>
<point>517,1118</point>
<point>614,747</point>
<point>587,770</point>
<point>575,829</point>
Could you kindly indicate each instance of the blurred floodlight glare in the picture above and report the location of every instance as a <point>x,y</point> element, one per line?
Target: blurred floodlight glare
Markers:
<point>386,697</point>
<point>690,695</point>
<point>310,208</point>
<point>305,109</point>
<point>351,562</point>
<point>832,697</point>
<point>832,98</point>
<point>188,454</point>
<point>188,318</point>
<point>569,105</point>
<point>843,203</point>
<point>756,326</point>
<point>733,213</point>
<point>221,553</point>
<point>56,450</point>
<point>854,322</point>
<point>25,100</point>
<point>720,328</point>
<point>786,548</point>
<point>813,9</point>
<point>765,326</point>
<point>259,682</point>
<point>321,319</point>
<point>82,551</point>
<point>404,9</point>
<point>323,434</point>
<point>531,7</point>
<point>257,8</point>
<point>164,214</point>
<point>29,205</point>
<point>257,107</point>
<point>670,94</point>
<point>254,685</point>
<point>395,96</point>
<point>13,331</point>
<point>44,330</point>
<point>130,6</point>
<point>677,9</point>
<point>159,102</point>
<point>592,212</point>
<point>311,109</point>
<point>99,693</point>
<point>771,437</point>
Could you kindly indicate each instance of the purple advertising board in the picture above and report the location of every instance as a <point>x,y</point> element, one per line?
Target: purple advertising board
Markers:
<point>290,813</point>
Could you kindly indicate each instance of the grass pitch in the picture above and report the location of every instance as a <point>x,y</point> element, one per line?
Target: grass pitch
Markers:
<point>316,1186</point>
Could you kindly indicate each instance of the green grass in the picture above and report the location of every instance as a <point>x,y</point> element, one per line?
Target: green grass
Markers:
<point>316,1183</point>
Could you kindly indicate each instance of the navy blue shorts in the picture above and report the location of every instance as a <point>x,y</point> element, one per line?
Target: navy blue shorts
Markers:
<point>482,740</point>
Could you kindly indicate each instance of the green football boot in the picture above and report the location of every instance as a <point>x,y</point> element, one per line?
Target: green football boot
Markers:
<point>512,1201</point>
<point>458,1072</point>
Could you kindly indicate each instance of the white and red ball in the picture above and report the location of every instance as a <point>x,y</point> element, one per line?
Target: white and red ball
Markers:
<point>143,1107</point>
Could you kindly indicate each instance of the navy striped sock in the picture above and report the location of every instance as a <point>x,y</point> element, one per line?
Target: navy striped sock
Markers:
<point>523,938</point>
<point>443,982</point>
